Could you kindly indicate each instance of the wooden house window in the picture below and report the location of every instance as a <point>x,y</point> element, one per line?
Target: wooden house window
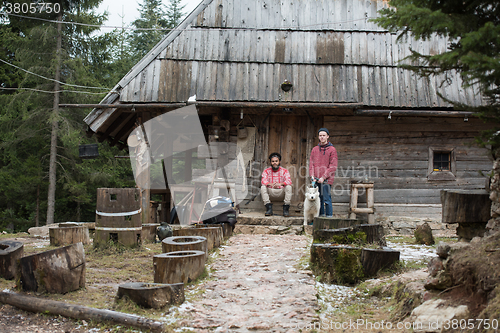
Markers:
<point>442,164</point>
<point>442,161</point>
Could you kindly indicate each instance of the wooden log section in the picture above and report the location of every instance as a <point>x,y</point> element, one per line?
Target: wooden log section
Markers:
<point>10,252</point>
<point>149,232</point>
<point>226,228</point>
<point>374,260</point>
<point>68,235</point>
<point>178,267</point>
<point>468,206</point>
<point>333,223</point>
<point>184,243</point>
<point>57,271</point>
<point>336,264</point>
<point>212,234</point>
<point>348,265</point>
<point>152,295</point>
<point>361,234</point>
<point>41,305</point>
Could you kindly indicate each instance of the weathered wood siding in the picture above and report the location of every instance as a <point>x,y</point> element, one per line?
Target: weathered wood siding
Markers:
<point>395,155</point>
<point>329,50</point>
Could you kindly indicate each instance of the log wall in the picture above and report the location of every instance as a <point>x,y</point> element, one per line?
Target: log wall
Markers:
<point>394,153</point>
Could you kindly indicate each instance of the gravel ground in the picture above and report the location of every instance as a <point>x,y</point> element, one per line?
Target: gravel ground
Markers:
<point>257,283</point>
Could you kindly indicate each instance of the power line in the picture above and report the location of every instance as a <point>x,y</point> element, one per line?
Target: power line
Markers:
<point>197,29</point>
<point>53,92</point>
<point>85,24</point>
<point>46,78</point>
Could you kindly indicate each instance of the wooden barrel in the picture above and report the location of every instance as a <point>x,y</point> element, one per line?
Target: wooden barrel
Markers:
<point>184,243</point>
<point>118,216</point>
<point>179,266</point>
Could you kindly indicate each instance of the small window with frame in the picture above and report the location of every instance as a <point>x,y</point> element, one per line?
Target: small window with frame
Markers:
<point>442,165</point>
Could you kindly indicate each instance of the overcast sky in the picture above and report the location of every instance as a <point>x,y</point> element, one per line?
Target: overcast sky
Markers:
<point>129,9</point>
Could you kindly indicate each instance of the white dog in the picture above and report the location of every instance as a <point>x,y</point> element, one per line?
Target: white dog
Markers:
<point>311,205</point>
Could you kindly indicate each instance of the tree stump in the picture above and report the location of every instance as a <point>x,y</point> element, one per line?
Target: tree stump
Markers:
<point>149,232</point>
<point>336,264</point>
<point>184,243</point>
<point>57,271</point>
<point>332,223</point>
<point>360,234</point>
<point>10,252</point>
<point>212,234</point>
<point>67,234</point>
<point>465,206</point>
<point>374,260</point>
<point>178,267</point>
<point>226,228</point>
<point>471,209</point>
<point>153,295</point>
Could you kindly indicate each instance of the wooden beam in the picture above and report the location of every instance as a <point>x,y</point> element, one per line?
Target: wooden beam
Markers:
<point>291,105</point>
<point>414,113</point>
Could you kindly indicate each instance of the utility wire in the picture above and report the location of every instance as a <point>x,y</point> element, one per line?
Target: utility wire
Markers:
<point>197,29</point>
<point>46,78</point>
<point>53,92</point>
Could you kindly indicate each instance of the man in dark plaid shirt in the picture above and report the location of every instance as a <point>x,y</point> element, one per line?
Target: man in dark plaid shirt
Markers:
<point>276,185</point>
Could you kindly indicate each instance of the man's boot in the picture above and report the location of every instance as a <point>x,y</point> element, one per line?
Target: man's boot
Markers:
<point>269,210</point>
<point>286,209</point>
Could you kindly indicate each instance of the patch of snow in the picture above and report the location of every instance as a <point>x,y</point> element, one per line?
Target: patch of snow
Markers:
<point>333,297</point>
<point>414,252</point>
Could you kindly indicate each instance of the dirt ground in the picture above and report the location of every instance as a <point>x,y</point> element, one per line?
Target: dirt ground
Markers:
<point>255,283</point>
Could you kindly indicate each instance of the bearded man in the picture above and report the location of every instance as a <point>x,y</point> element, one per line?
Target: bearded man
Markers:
<point>276,185</point>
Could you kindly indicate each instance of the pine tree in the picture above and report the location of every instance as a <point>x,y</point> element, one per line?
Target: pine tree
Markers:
<point>150,28</point>
<point>473,31</point>
<point>175,13</point>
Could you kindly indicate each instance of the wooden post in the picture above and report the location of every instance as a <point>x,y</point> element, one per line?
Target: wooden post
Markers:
<point>370,200</point>
<point>353,203</point>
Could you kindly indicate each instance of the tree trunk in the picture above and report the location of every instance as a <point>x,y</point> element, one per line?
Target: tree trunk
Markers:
<point>34,304</point>
<point>53,137</point>
<point>37,215</point>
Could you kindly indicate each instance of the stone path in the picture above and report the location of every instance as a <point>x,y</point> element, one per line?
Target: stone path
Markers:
<point>257,285</point>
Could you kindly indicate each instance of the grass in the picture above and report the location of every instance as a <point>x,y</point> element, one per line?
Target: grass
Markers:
<point>376,302</point>
<point>106,268</point>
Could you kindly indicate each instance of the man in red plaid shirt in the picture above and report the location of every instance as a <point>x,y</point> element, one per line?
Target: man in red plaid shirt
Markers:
<point>276,185</point>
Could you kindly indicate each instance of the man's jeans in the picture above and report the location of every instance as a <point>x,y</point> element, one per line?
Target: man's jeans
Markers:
<point>325,197</point>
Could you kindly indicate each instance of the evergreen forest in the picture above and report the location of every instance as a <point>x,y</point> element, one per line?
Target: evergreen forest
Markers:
<point>63,54</point>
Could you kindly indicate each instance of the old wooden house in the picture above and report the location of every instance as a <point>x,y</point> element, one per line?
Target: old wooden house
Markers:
<point>280,70</point>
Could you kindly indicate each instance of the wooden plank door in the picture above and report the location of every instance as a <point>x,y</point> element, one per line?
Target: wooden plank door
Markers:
<point>288,136</point>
